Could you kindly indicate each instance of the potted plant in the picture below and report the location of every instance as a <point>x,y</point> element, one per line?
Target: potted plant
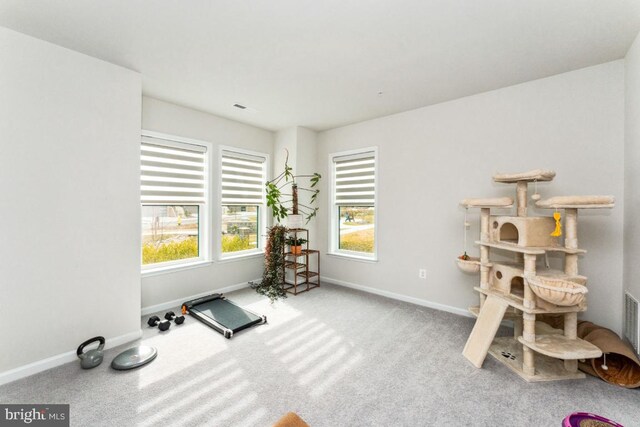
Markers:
<point>295,244</point>
<point>277,199</point>
<point>272,281</point>
<point>284,204</point>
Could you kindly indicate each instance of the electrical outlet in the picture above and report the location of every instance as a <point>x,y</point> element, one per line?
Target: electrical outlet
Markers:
<point>422,273</point>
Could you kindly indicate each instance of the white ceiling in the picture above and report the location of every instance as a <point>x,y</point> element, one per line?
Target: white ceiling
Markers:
<point>322,63</point>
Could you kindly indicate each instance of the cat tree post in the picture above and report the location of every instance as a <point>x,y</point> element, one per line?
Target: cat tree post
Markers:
<point>529,320</point>
<point>518,326</point>
<point>529,271</point>
<point>521,197</point>
<point>484,252</point>
<point>529,335</point>
<point>571,241</point>
<point>571,332</point>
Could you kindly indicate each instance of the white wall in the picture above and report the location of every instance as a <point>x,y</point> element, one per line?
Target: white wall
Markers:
<point>632,170</point>
<point>433,157</point>
<point>69,180</point>
<point>285,139</point>
<point>172,119</point>
<point>306,165</point>
<point>302,146</point>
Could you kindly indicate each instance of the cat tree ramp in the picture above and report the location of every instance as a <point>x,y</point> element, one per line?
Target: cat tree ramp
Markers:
<point>520,290</point>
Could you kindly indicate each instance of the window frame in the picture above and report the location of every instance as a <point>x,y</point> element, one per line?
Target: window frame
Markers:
<point>261,217</point>
<point>334,218</point>
<point>205,211</point>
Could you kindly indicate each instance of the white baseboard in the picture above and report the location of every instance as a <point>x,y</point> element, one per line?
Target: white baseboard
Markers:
<point>177,302</point>
<point>60,359</point>
<point>399,297</point>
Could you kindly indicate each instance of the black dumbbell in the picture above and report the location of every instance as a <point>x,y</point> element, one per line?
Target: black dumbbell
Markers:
<point>172,316</point>
<point>163,325</point>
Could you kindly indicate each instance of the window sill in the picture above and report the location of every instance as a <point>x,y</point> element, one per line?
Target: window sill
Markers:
<point>174,268</point>
<point>240,257</point>
<point>354,257</point>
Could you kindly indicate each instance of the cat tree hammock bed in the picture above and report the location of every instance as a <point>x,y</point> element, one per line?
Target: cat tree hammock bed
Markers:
<point>520,290</point>
<point>470,265</point>
<point>558,291</point>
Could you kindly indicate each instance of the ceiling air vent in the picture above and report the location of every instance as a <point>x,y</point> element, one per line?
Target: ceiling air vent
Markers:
<point>631,327</point>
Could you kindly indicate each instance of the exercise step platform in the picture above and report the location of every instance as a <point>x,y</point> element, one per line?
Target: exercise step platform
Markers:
<point>222,315</point>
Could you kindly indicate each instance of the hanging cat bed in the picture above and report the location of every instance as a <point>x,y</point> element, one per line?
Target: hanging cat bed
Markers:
<point>557,291</point>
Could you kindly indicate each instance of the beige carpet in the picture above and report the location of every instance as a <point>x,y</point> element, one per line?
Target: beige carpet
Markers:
<point>334,356</point>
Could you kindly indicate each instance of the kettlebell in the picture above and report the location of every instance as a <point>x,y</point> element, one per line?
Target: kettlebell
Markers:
<point>91,358</point>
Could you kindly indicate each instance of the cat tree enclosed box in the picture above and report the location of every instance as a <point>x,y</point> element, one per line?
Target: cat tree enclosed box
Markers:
<point>520,291</point>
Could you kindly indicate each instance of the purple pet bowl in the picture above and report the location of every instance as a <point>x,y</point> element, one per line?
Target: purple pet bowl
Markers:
<point>577,418</point>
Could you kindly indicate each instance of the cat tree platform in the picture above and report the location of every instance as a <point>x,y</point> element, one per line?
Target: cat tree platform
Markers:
<point>538,250</point>
<point>529,176</point>
<point>498,202</point>
<point>510,314</point>
<point>509,352</point>
<point>561,347</point>
<point>577,202</point>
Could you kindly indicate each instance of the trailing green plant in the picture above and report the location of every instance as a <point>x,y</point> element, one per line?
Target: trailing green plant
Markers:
<point>276,199</point>
<point>272,284</point>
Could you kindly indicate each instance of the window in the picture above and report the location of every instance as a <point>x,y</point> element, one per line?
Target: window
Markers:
<point>243,175</point>
<point>174,196</point>
<point>354,203</point>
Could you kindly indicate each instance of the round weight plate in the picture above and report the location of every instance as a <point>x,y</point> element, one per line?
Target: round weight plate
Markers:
<point>134,357</point>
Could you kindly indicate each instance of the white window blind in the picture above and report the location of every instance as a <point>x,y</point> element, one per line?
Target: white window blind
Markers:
<point>243,178</point>
<point>355,179</point>
<point>172,173</point>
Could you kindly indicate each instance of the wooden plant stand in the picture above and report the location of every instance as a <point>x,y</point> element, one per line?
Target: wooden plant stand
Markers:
<point>298,266</point>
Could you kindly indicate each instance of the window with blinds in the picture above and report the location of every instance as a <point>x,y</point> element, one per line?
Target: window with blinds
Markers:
<point>355,179</point>
<point>354,199</point>
<point>174,197</point>
<point>172,172</point>
<point>242,179</point>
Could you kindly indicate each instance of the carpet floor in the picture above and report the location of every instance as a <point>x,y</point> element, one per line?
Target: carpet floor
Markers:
<point>335,356</point>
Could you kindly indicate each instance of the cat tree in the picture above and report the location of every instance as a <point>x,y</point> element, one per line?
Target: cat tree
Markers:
<point>519,291</point>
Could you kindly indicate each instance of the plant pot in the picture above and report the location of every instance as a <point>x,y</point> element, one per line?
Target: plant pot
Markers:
<point>295,221</point>
<point>296,250</point>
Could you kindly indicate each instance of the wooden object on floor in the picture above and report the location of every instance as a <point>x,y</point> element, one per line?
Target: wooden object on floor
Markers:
<point>484,330</point>
<point>298,275</point>
<point>290,419</point>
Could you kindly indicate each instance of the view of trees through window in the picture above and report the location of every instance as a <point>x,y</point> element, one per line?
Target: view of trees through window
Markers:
<point>357,228</point>
<point>239,228</point>
<point>169,233</point>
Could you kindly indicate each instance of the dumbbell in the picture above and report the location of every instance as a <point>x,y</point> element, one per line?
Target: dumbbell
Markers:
<point>163,325</point>
<point>172,316</point>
